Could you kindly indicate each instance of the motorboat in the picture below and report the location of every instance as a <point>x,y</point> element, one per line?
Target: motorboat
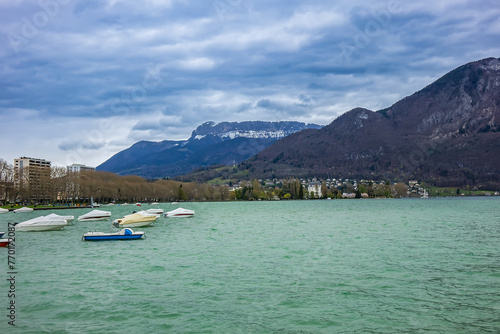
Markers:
<point>149,213</point>
<point>179,212</point>
<point>95,215</point>
<point>124,234</point>
<point>4,242</point>
<point>68,219</point>
<point>1,234</point>
<point>135,220</point>
<point>42,223</point>
<point>155,203</point>
<point>154,211</point>
<point>2,210</point>
<point>23,209</point>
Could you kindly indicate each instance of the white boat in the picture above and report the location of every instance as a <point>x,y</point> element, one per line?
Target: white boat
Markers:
<point>68,219</point>
<point>146,213</point>
<point>155,203</point>
<point>2,210</point>
<point>42,223</point>
<point>95,215</point>
<point>135,220</point>
<point>179,212</point>
<point>154,211</point>
<point>23,209</point>
<point>124,234</point>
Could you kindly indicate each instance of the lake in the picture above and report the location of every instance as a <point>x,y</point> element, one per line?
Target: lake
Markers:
<point>318,266</point>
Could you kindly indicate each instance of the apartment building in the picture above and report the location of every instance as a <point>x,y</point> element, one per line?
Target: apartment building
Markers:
<point>31,174</point>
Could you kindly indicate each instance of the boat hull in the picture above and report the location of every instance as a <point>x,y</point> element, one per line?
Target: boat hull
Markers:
<point>180,215</point>
<point>125,234</point>
<point>112,237</point>
<point>4,242</point>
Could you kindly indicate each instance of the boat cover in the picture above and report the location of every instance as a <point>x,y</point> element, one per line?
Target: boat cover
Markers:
<point>56,216</point>
<point>95,213</point>
<point>155,211</point>
<point>43,220</point>
<point>136,217</point>
<point>180,212</point>
<point>23,209</point>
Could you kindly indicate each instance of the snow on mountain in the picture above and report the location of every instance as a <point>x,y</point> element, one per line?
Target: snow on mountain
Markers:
<point>257,129</point>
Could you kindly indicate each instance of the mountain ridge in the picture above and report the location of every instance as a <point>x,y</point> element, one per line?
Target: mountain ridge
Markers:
<point>224,143</point>
<point>444,133</point>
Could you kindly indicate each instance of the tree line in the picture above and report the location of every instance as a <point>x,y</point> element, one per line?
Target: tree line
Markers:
<point>60,186</point>
<point>65,187</point>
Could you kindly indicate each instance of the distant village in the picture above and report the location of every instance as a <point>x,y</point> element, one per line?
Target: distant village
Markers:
<point>35,181</point>
<point>315,188</point>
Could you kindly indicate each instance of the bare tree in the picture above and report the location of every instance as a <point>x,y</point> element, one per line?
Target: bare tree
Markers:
<point>6,181</point>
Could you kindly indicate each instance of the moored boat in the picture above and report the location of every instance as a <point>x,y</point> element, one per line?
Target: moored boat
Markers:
<point>95,215</point>
<point>42,223</point>
<point>4,242</point>
<point>1,234</point>
<point>23,209</point>
<point>135,220</point>
<point>179,212</point>
<point>154,211</point>
<point>2,210</point>
<point>124,234</point>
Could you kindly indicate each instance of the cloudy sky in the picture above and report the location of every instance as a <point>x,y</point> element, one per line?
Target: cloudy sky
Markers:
<point>82,80</point>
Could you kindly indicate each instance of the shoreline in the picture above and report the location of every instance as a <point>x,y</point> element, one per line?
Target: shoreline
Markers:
<point>54,208</point>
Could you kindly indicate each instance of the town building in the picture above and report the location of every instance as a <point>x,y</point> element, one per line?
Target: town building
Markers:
<point>31,174</point>
<point>76,168</point>
<point>314,187</point>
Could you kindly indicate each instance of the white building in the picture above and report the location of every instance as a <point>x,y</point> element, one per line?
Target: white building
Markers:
<point>76,168</point>
<point>315,188</point>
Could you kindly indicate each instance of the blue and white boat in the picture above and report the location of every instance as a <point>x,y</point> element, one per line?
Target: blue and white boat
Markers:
<point>124,234</point>
<point>1,234</point>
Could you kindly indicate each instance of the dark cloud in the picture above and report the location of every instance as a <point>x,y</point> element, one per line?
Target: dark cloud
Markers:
<point>157,69</point>
<point>72,146</point>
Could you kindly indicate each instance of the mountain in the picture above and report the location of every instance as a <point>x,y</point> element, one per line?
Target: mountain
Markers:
<point>447,134</point>
<point>225,143</point>
<point>121,160</point>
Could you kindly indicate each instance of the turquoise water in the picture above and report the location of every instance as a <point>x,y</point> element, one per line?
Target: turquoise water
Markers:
<point>338,266</point>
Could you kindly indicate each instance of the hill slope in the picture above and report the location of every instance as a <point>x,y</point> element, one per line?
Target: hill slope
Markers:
<point>447,134</point>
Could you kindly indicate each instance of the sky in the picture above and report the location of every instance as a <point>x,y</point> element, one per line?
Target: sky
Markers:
<point>83,80</point>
